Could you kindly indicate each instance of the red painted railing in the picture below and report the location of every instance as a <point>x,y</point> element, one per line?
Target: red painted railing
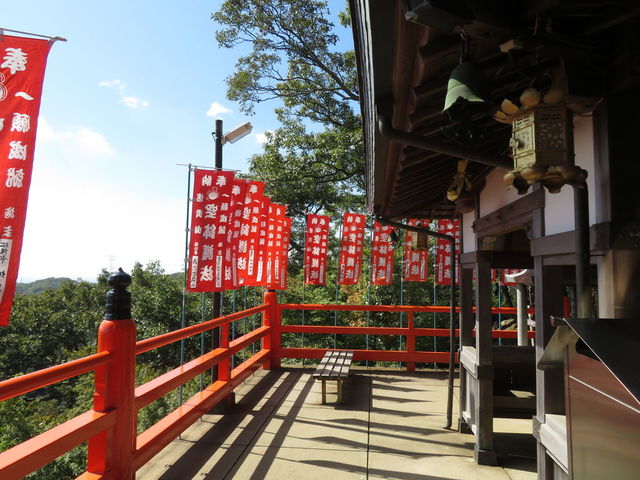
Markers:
<point>115,452</point>
<point>410,332</point>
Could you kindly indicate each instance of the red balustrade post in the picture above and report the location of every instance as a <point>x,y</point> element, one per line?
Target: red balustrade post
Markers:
<point>224,370</point>
<point>411,341</point>
<point>271,318</point>
<point>111,452</point>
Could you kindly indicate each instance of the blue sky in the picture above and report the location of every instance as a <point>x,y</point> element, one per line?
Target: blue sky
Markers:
<point>134,92</point>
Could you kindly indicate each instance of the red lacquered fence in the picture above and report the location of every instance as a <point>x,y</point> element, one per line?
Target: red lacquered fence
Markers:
<point>115,450</point>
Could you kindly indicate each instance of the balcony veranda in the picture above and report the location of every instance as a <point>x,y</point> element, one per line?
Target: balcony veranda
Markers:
<point>390,424</point>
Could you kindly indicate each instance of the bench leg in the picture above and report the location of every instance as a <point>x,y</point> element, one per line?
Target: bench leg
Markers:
<point>339,391</point>
<point>324,391</point>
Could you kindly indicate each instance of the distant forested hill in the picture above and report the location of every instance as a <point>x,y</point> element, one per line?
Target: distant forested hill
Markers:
<point>39,286</point>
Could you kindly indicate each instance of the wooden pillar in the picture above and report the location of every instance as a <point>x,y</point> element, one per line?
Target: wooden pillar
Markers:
<point>271,318</point>
<point>111,451</point>
<point>466,307</point>
<point>466,339</point>
<point>484,453</point>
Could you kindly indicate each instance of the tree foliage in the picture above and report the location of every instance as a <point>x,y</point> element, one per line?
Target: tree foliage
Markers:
<point>314,161</point>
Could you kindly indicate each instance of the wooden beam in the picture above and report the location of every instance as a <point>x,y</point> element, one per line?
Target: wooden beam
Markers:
<point>501,220</point>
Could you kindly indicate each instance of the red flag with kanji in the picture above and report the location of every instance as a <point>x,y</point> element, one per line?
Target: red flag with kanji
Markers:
<point>415,260</point>
<point>211,207</point>
<point>22,66</point>
<point>382,255</point>
<point>443,252</point>
<point>238,194</point>
<point>256,268</point>
<point>316,247</point>
<point>351,248</point>
<point>253,206</point>
<point>284,256</point>
<point>275,238</point>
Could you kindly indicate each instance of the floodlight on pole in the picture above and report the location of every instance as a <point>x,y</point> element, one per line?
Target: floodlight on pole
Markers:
<point>237,133</point>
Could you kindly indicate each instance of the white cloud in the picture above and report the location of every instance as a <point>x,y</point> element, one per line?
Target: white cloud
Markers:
<point>216,110</point>
<point>84,139</point>
<point>111,83</point>
<point>71,211</point>
<point>128,101</point>
<point>44,132</point>
<point>92,142</point>
<point>262,138</point>
<point>134,102</point>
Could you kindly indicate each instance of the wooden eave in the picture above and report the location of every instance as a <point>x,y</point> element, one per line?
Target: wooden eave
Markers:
<point>411,64</point>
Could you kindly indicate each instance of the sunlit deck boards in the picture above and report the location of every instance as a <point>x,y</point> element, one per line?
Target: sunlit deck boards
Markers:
<point>388,426</point>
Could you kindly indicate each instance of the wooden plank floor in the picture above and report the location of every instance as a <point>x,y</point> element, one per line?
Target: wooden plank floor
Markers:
<point>390,426</point>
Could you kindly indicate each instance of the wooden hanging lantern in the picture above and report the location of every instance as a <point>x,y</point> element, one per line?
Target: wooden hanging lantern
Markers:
<point>542,144</point>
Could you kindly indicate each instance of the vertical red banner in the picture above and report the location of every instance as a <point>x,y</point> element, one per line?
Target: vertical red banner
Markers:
<point>284,256</point>
<point>22,66</point>
<point>351,248</point>
<point>275,237</point>
<point>382,255</point>
<point>443,251</point>
<point>247,261</point>
<point>211,207</point>
<point>238,194</point>
<point>415,261</point>
<point>316,247</point>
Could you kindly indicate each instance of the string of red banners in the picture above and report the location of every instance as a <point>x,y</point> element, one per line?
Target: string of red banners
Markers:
<point>240,238</point>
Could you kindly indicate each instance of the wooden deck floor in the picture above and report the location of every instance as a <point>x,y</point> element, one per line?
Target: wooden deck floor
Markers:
<point>389,426</point>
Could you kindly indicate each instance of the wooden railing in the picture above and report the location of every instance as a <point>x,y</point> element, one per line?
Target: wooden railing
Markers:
<point>115,451</point>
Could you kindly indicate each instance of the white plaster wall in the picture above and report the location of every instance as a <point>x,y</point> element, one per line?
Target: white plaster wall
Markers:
<point>468,235</point>
<point>558,212</point>
<point>495,194</point>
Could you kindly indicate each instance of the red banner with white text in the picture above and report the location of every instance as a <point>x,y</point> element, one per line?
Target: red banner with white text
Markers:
<point>22,66</point>
<point>249,233</point>
<point>211,205</point>
<point>382,255</point>
<point>275,240</point>
<point>316,247</point>
<point>416,256</point>
<point>443,252</point>
<point>234,222</point>
<point>352,245</point>
<point>284,256</point>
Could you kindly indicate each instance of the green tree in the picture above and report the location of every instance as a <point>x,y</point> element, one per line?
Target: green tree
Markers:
<point>314,161</point>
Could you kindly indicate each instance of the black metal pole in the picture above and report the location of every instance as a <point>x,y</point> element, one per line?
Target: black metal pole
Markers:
<point>217,296</point>
<point>584,304</point>
<point>452,303</point>
<point>452,331</point>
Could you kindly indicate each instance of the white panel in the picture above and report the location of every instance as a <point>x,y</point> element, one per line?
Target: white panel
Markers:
<point>558,212</point>
<point>468,235</point>
<point>585,157</point>
<point>495,194</point>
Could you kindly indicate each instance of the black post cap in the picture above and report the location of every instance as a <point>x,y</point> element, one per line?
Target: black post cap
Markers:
<point>118,298</point>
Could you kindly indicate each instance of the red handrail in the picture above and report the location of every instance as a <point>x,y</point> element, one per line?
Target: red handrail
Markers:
<point>92,425</point>
<point>117,401</point>
<point>14,387</point>
<point>390,308</point>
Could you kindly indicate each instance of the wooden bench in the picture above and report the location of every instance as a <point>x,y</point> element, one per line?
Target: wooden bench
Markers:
<point>335,365</point>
